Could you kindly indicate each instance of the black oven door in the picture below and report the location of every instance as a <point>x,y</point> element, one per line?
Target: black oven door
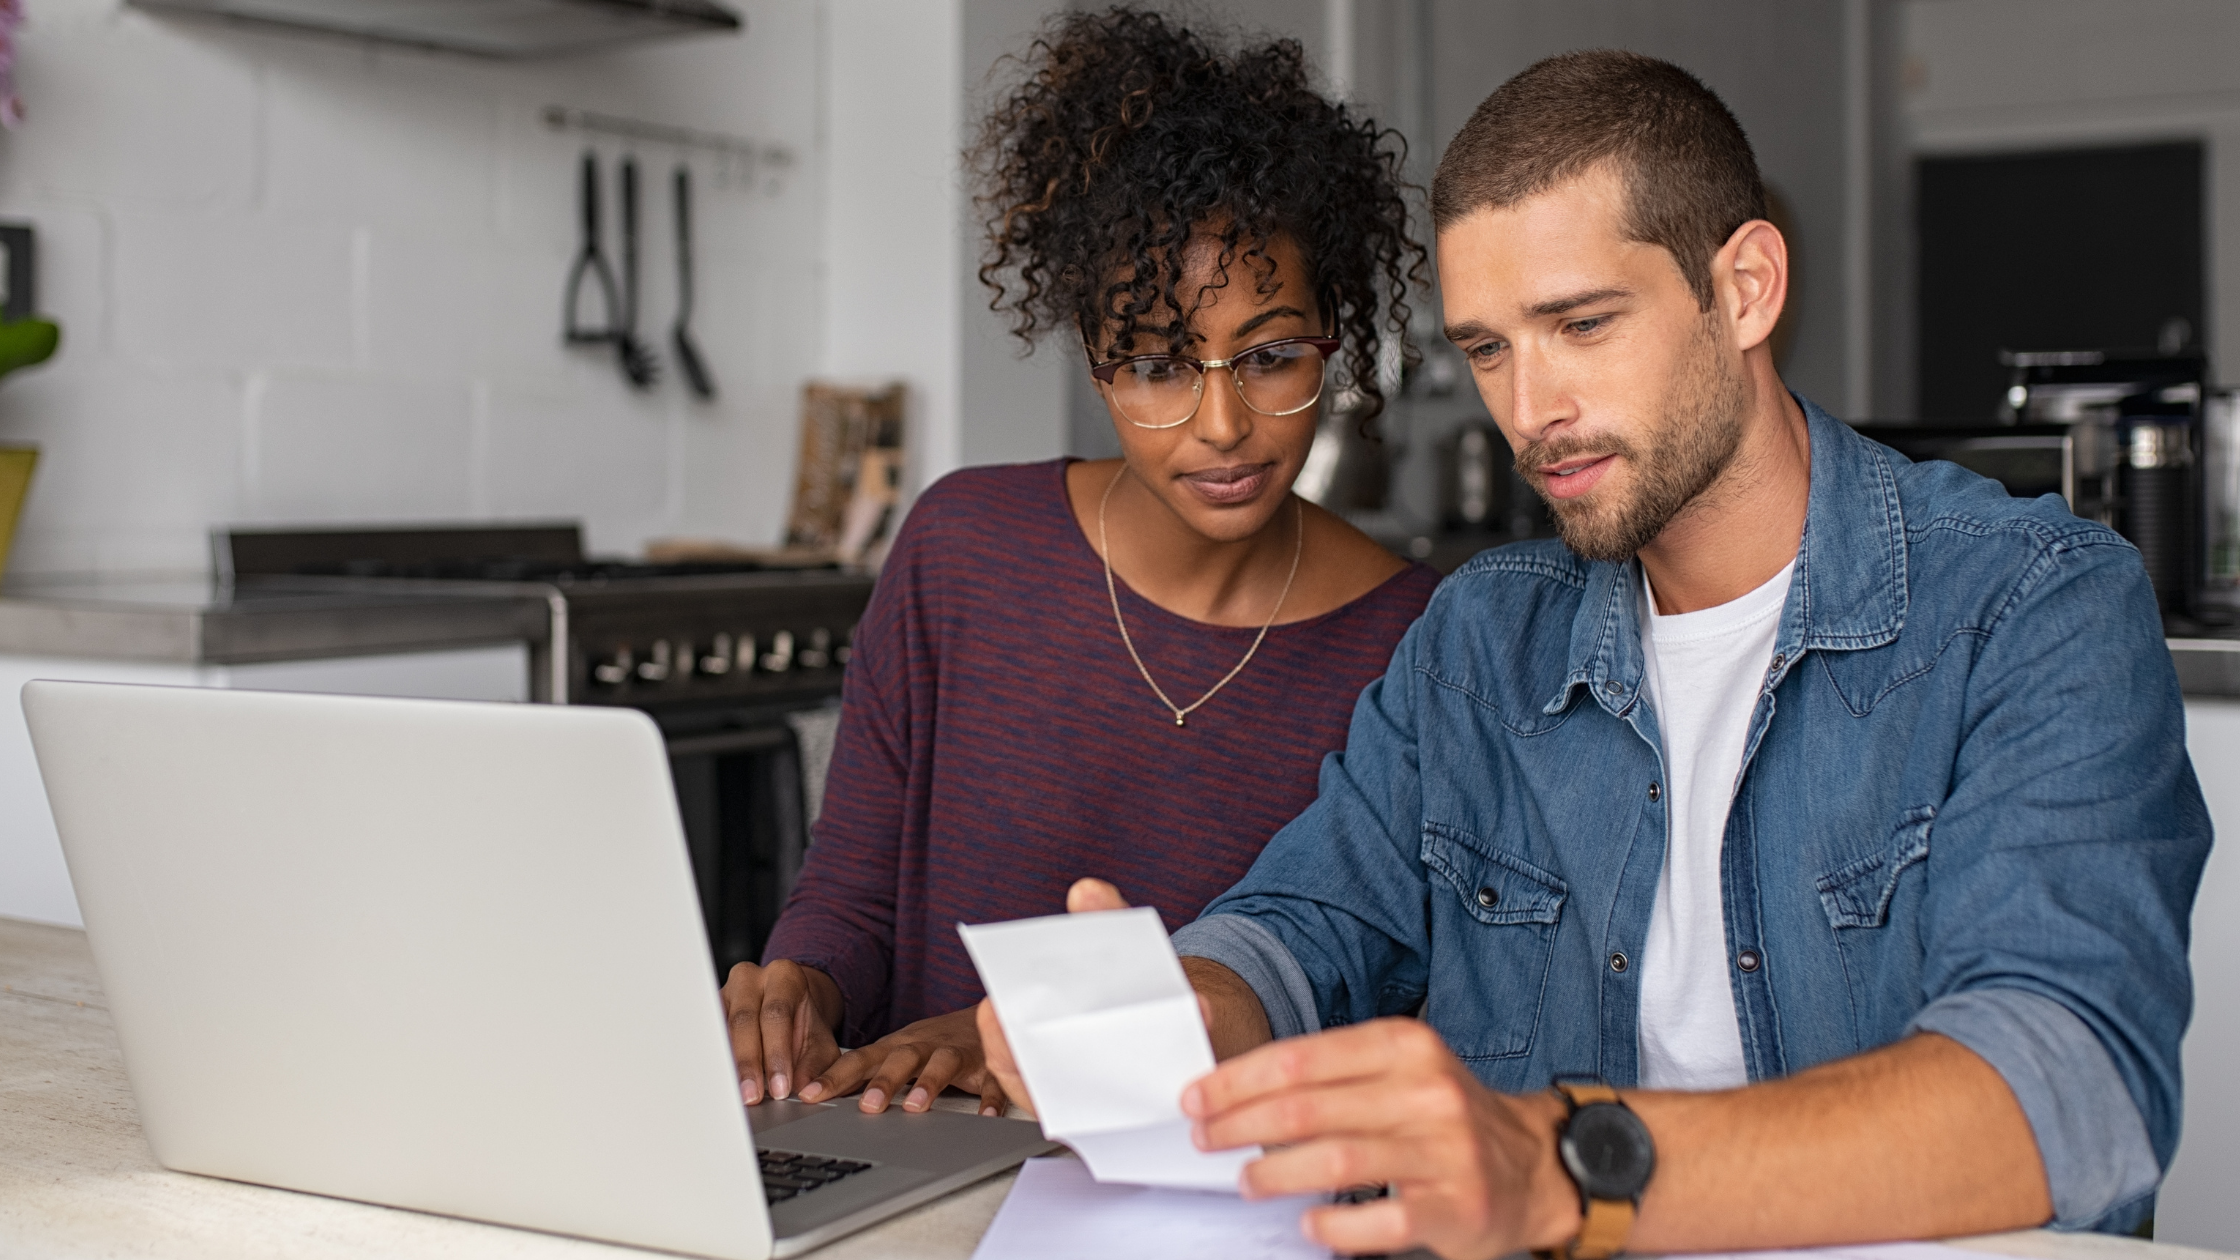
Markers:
<point>739,790</point>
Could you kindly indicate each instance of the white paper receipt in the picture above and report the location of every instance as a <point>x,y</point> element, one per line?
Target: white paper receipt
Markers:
<point>1106,1031</point>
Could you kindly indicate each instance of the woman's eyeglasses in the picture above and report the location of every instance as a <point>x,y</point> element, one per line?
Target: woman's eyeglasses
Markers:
<point>1160,391</point>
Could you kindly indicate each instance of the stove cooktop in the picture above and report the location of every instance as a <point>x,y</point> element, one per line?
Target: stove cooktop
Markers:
<point>656,636</point>
<point>528,569</point>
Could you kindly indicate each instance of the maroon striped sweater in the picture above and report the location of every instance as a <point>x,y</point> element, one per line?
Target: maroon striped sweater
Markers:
<point>996,744</point>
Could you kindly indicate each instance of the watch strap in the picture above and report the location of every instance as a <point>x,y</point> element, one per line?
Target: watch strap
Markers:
<point>1604,1224</point>
<point>1603,1229</point>
<point>1580,1093</point>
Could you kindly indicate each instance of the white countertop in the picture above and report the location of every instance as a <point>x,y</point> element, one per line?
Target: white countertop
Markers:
<point>76,1178</point>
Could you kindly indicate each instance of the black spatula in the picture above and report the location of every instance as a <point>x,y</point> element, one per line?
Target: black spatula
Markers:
<point>639,364</point>
<point>680,333</point>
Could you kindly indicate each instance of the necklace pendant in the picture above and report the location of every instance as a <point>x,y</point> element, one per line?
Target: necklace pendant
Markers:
<point>1178,719</point>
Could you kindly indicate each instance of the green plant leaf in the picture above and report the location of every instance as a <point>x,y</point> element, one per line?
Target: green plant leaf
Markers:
<point>24,342</point>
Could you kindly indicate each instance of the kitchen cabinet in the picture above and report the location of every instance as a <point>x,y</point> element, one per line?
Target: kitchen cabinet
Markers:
<point>2198,1205</point>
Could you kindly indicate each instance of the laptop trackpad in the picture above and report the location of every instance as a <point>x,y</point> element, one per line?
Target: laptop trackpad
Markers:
<point>943,1141</point>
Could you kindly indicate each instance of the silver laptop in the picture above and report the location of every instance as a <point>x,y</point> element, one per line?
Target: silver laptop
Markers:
<point>447,957</point>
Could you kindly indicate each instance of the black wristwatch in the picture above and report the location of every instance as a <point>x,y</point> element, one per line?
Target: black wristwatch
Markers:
<point>1610,1156</point>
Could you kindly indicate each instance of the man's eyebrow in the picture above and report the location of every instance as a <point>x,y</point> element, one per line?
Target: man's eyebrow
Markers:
<point>1572,302</point>
<point>1246,328</point>
<point>1467,330</point>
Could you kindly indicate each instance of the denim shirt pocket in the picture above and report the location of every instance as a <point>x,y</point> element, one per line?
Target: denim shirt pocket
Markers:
<point>1494,917</point>
<point>1858,894</point>
<point>1872,907</point>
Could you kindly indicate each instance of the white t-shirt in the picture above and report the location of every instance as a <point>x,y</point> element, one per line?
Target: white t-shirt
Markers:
<point>1705,670</point>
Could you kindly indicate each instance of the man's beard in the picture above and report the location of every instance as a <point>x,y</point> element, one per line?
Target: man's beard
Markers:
<point>1701,430</point>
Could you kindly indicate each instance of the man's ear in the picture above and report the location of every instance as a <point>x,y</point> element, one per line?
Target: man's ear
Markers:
<point>1750,279</point>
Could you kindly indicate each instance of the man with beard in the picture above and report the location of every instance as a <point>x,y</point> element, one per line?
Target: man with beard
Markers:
<point>1820,823</point>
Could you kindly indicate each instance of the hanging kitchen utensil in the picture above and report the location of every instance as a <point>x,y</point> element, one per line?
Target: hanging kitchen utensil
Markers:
<point>639,365</point>
<point>591,264</point>
<point>680,333</point>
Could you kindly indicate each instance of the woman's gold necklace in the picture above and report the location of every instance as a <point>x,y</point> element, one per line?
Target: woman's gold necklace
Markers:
<point>1104,546</point>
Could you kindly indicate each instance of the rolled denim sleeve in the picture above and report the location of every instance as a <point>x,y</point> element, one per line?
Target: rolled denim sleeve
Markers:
<point>2100,1167</point>
<point>1244,946</point>
<point>2062,867</point>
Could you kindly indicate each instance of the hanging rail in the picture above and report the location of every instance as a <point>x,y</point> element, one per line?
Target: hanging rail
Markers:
<point>561,118</point>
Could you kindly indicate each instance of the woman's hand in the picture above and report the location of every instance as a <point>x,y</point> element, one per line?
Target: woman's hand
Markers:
<point>781,1018</point>
<point>928,1056</point>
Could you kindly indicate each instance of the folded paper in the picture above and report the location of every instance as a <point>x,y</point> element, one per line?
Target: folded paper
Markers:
<point>1106,1030</point>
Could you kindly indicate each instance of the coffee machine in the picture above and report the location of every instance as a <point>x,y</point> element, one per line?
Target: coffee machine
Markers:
<point>2135,424</point>
<point>2119,436</point>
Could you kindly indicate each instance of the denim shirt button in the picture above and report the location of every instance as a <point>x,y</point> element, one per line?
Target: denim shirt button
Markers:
<point>1614,687</point>
<point>1747,960</point>
<point>1618,962</point>
<point>1488,898</point>
<point>1655,792</point>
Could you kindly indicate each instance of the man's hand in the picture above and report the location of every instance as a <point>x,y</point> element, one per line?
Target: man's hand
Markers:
<point>1473,1173</point>
<point>781,1018</point>
<point>934,1053</point>
<point>1917,1139</point>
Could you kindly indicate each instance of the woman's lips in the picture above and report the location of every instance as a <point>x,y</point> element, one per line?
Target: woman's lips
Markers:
<point>1573,477</point>
<point>1235,484</point>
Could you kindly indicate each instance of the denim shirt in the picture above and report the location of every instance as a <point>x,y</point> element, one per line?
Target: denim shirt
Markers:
<point>1965,807</point>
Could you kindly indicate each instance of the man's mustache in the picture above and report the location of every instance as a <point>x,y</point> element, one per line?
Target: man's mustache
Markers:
<point>1539,455</point>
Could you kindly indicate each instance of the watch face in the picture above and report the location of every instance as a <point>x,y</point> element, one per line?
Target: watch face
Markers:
<point>1608,1152</point>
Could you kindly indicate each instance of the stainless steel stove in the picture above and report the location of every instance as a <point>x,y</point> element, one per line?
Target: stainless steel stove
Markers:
<point>731,659</point>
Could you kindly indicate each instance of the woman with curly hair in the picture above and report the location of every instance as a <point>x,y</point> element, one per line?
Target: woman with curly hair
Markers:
<point>1129,666</point>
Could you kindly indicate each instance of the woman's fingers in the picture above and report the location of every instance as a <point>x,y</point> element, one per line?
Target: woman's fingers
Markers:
<point>998,1053</point>
<point>940,1068</point>
<point>845,1073</point>
<point>779,1011</point>
<point>819,1054</point>
<point>1093,894</point>
<point>900,1064</point>
<point>993,1101</point>
<point>742,1004</point>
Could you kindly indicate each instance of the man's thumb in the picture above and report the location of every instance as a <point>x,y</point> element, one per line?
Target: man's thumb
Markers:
<point>1093,894</point>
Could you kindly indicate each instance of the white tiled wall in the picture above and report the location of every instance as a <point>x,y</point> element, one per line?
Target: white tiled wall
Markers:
<point>35,882</point>
<point>306,280</point>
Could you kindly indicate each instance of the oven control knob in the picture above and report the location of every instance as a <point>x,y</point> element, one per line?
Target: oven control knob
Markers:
<point>655,667</point>
<point>819,652</point>
<point>718,660</point>
<point>846,649</point>
<point>746,653</point>
<point>779,658</point>
<point>614,671</point>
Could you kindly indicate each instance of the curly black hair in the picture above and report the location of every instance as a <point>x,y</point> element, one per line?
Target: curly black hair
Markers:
<point>1131,133</point>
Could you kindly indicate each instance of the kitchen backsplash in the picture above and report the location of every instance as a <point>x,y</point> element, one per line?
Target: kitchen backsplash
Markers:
<point>307,280</point>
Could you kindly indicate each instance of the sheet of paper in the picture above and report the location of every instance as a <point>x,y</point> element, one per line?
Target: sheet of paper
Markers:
<point>1106,1031</point>
<point>1056,1209</point>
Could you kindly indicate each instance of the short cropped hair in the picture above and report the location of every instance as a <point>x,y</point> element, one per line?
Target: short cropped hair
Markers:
<point>1691,178</point>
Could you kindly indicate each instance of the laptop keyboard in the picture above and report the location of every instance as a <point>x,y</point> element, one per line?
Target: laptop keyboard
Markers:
<point>786,1175</point>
